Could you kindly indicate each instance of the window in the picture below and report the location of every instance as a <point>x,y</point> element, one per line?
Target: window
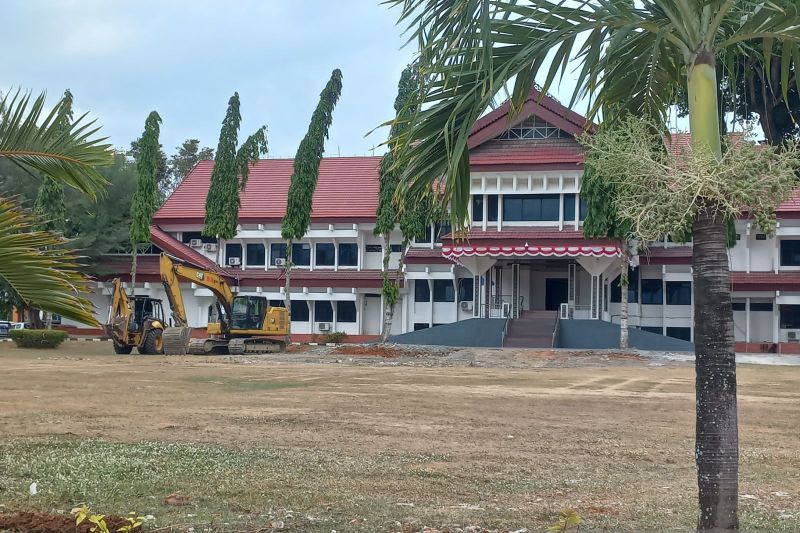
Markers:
<point>652,292</point>
<point>679,293</point>
<point>345,312</point>
<point>790,253</point>
<point>533,128</point>
<point>373,248</point>
<point>584,209</point>
<point>685,334</point>
<point>299,311</point>
<point>790,316</point>
<point>348,254</point>
<point>443,291</point>
<point>255,254</point>
<point>326,254</point>
<point>569,207</point>
<point>233,250</point>
<point>739,306</point>
<point>420,325</point>
<point>477,208</point>
<point>653,329</point>
<point>531,207</point>
<point>493,201</point>
<point>761,236</point>
<point>441,229</point>
<point>188,236</point>
<point>301,254</point>
<point>466,288</point>
<point>761,307</point>
<point>633,287</point>
<point>422,293</point>
<point>323,311</point>
<point>396,248</point>
<point>277,250</point>
<point>277,303</point>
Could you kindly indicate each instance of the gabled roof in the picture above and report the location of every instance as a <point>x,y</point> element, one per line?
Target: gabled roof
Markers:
<point>545,107</point>
<point>177,249</point>
<point>347,190</point>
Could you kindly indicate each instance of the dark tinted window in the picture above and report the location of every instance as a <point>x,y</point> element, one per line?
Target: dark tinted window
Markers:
<point>326,254</point>
<point>569,207</point>
<point>187,236</point>
<point>396,248</point>
<point>442,229</point>
<point>739,306</point>
<point>790,253</point>
<point>761,306</point>
<point>345,312</point>
<point>420,325</point>
<point>299,311</point>
<point>679,293</point>
<point>652,292</point>
<point>348,254</point>
<point>652,329</point>
<point>584,209</point>
<point>477,208</point>
<point>633,287</point>
<point>466,288</point>
<point>443,291</point>
<point>233,250</point>
<point>680,333</point>
<point>531,207</point>
<point>277,250</point>
<point>790,316</point>
<point>422,293</point>
<point>323,311</point>
<point>255,254</point>
<point>301,254</point>
<point>491,208</point>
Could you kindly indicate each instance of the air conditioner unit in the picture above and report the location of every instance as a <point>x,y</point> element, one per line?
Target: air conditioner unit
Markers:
<point>211,247</point>
<point>279,262</point>
<point>466,306</point>
<point>793,335</point>
<point>196,243</point>
<point>324,326</point>
<point>234,261</point>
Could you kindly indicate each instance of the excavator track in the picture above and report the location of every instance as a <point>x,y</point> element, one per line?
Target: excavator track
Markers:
<point>207,347</point>
<point>255,345</point>
<point>176,340</point>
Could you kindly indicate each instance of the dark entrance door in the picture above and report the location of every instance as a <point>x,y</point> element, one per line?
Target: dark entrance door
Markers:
<point>555,293</point>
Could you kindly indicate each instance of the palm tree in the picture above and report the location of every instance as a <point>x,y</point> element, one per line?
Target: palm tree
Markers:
<point>631,57</point>
<point>36,264</point>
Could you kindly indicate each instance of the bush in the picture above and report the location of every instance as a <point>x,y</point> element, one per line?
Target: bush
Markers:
<point>335,336</point>
<point>38,338</point>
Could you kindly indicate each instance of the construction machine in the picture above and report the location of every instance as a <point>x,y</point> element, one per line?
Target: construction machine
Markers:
<point>246,323</point>
<point>137,322</point>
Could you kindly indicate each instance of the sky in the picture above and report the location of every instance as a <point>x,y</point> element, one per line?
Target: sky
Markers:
<point>123,58</point>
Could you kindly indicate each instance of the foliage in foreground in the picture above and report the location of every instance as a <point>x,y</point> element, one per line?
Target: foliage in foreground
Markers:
<point>37,338</point>
<point>658,193</point>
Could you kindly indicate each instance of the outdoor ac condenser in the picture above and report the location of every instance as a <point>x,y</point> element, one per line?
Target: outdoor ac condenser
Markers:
<point>324,326</point>
<point>234,261</point>
<point>279,262</point>
<point>195,243</point>
<point>211,247</point>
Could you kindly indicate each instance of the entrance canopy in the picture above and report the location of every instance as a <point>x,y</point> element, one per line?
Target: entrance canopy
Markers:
<point>455,253</point>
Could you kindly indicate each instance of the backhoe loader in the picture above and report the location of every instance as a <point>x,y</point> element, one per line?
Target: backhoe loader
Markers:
<point>139,325</point>
<point>245,325</point>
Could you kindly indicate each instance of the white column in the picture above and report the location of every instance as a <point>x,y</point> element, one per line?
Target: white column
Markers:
<point>312,254</point>
<point>430,293</point>
<point>266,253</point>
<point>595,297</point>
<point>499,212</point>
<point>561,208</point>
<point>335,255</point>
<point>776,334</point>
<point>485,210</point>
<point>747,320</point>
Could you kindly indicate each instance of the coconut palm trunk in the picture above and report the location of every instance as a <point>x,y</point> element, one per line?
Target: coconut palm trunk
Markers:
<point>388,306</point>
<point>717,435</point>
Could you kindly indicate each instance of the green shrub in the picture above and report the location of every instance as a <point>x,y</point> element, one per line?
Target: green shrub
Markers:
<point>335,336</point>
<point>38,338</point>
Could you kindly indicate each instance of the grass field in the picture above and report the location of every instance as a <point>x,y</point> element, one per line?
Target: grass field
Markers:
<point>353,446</point>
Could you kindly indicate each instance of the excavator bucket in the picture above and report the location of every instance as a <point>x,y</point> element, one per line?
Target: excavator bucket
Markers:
<point>176,340</point>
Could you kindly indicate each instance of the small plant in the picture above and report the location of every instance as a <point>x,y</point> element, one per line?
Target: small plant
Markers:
<point>335,337</point>
<point>37,338</point>
<point>83,514</point>
<point>568,521</point>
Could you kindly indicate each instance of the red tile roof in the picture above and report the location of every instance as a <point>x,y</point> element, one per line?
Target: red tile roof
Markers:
<point>177,249</point>
<point>535,236</point>
<point>347,191</point>
<point>563,153</point>
<point>765,281</point>
<point>119,266</point>
<point>426,256</point>
<point>673,255</point>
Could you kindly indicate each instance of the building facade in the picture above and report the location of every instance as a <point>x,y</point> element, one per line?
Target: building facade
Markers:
<point>524,250</point>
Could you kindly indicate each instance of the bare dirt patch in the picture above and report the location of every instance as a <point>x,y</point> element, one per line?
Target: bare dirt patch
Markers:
<point>39,522</point>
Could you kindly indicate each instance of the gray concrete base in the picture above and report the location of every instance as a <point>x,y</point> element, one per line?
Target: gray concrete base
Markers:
<point>476,332</point>
<point>596,334</point>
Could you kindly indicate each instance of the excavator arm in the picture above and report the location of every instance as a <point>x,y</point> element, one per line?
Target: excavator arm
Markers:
<point>171,275</point>
<point>119,314</point>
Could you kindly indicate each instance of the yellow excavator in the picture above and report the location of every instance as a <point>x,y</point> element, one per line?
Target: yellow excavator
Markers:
<point>135,322</point>
<point>246,323</point>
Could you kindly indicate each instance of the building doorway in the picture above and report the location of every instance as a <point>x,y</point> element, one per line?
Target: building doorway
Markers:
<point>556,292</point>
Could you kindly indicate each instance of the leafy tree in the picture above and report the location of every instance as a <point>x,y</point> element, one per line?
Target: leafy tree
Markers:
<point>231,169</point>
<point>36,264</point>
<point>297,219</point>
<point>631,56</point>
<point>162,167</point>
<point>146,199</point>
<point>182,162</point>
<point>388,214</point>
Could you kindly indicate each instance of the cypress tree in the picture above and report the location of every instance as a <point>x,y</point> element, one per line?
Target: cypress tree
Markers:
<point>231,169</point>
<point>306,172</point>
<point>49,205</point>
<point>146,198</point>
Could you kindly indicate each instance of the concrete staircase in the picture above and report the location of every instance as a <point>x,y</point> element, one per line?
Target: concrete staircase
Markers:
<point>533,329</point>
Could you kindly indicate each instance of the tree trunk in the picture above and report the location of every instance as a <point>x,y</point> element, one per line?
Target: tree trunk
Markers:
<point>716,440</point>
<point>287,297</point>
<point>388,304</point>
<point>133,271</point>
<point>623,306</point>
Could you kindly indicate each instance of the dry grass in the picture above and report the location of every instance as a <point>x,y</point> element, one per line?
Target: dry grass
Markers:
<point>317,446</point>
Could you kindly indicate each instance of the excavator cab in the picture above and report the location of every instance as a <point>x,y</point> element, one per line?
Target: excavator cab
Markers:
<point>248,312</point>
<point>135,322</point>
<point>145,309</point>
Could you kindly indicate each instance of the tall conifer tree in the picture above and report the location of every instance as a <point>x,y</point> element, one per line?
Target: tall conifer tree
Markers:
<point>146,199</point>
<point>306,171</point>
<point>49,206</point>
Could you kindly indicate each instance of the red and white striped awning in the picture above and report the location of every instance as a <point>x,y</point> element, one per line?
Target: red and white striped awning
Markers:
<point>456,252</point>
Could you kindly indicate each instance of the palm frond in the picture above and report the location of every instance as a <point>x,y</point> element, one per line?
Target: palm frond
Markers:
<point>39,268</point>
<point>34,139</point>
